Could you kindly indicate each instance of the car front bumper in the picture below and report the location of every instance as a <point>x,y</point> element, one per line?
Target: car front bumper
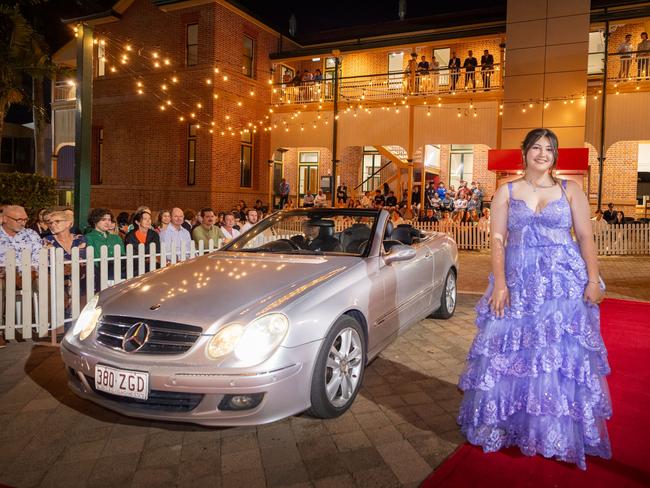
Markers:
<point>193,393</point>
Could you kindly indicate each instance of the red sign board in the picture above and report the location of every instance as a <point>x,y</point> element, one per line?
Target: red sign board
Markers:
<point>572,159</point>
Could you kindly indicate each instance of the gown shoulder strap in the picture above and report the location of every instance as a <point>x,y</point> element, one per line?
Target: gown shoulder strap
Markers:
<point>509,190</point>
<point>564,182</point>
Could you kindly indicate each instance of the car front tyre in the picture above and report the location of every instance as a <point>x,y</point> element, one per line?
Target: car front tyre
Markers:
<point>339,369</point>
<point>448,297</point>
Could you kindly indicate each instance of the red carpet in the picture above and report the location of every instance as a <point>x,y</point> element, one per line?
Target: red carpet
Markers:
<point>625,326</point>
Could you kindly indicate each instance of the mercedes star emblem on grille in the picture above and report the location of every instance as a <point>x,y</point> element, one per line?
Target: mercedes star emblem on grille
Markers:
<point>136,337</point>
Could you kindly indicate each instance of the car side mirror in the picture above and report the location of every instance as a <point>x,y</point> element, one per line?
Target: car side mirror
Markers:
<point>400,252</point>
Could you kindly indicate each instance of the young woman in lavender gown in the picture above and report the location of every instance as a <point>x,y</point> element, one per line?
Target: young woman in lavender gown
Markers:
<point>535,373</point>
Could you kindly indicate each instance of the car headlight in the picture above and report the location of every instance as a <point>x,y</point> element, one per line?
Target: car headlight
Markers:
<point>88,319</point>
<point>224,341</point>
<point>253,343</point>
<point>261,337</point>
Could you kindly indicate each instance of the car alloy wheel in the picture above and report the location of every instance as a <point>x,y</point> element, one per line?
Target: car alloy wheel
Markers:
<point>343,371</point>
<point>339,369</point>
<point>448,297</point>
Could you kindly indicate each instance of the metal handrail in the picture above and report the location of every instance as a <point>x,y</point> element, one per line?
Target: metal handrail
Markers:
<point>372,175</point>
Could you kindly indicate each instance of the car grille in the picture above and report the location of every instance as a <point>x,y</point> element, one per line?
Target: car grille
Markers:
<point>163,401</point>
<point>164,337</point>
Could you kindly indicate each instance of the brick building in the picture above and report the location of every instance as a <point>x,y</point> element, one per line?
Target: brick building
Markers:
<point>221,122</point>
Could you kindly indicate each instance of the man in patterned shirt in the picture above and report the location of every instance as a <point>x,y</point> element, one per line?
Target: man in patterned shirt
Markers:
<point>14,235</point>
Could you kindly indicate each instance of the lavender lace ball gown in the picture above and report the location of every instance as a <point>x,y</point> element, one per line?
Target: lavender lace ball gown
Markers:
<point>535,378</point>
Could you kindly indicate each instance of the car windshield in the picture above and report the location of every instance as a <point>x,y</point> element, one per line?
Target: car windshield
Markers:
<point>310,232</point>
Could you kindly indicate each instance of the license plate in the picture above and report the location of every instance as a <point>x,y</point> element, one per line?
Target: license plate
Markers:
<point>133,384</point>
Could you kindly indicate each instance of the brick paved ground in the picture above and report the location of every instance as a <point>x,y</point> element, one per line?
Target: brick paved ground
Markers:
<point>400,427</point>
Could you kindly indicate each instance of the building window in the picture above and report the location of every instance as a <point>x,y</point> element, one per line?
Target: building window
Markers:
<point>395,70</point>
<point>248,57</point>
<point>371,164</point>
<point>308,172</point>
<point>191,154</point>
<point>643,173</point>
<point>596,59</point>
<point>461,163</point>
<point>101,59</point>
<point>192,42</point>
<point>246,160</point>
<point>442,55</point>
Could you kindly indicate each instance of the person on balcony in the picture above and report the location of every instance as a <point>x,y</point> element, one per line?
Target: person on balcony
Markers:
<point>625,51</point>
<point>470,65</point>
<point>423,74</point>
<point>454,71</point>
<point>643,57</point>
<point>410,74</point>
<point>318,76</point>
<point>434,74</point>
<point>487,68</point>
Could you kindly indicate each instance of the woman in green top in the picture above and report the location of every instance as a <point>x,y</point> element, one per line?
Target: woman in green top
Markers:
<point>101,221</point>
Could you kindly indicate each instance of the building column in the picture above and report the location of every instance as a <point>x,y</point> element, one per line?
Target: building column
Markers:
<point>547,50</point>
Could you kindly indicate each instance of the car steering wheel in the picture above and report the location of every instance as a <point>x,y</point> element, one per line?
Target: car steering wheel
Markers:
<point>291,243</point>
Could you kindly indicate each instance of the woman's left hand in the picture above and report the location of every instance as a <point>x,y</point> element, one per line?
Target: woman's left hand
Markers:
<point>593,293</point>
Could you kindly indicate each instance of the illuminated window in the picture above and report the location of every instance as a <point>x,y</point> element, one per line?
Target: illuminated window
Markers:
<point>192,51</point>
<point>191,154</point>
<point>246,160</point>
<point>248,57</point>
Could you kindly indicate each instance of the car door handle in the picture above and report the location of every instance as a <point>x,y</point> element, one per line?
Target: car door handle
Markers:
<point>428,255</point>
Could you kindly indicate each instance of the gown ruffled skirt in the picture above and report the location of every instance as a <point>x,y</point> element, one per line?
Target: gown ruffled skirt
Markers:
<point>535,378</point>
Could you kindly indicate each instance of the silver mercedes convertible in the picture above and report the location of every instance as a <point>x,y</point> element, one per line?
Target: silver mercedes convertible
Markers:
<point>282,320</point>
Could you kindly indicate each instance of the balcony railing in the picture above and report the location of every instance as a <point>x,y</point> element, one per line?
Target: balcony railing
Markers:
<point>631,67</point>
<point>392,85</point>
<point>63,90</point>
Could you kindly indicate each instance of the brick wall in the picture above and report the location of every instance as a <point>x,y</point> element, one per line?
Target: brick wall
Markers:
<point>145,149</point>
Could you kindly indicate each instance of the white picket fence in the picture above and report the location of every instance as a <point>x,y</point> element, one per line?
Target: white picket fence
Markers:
<point>44,304</point>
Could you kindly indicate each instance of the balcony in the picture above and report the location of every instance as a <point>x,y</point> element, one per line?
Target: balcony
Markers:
<point>625,72</point>
<point>64,91</point>
<point>391,86</point>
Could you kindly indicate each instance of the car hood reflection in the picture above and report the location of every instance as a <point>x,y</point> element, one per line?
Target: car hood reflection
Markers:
<point>224,286</point>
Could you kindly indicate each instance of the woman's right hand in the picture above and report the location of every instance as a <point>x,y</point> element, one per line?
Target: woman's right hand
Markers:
<point>499,300</point>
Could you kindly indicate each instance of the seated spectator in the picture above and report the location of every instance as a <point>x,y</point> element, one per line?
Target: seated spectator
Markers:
<point>452,192</point>
<point>40,226</point>
<point>619,219</point>
<point>175,234</point>
<point>308,200</point>
<point>366,200</point>
<point>434,201</point>
<point>260,207</point>
<point>446,220</point>
<point>320,200</point>
<point>391,199</point>
<point>251,219</point>
<point>61,223</point>
<point>428,217</point>
<point>379,199</point>
<point>484,220</point>
<point>395,217</point>
<point>142,232</point>
<point>164,217</point>
<point>610,213</point>
<point>473,203</point>
<point>189,220</point>
<point>14,235</point>
<point>122,224</point>
<point>289,205</point>
<point>207,229</point>
<point>228,230</point>
<point>100,235</point>
<point>447,204</point>
<point>442,191</point>
<point>470,217</point>
<point>599,223</point>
